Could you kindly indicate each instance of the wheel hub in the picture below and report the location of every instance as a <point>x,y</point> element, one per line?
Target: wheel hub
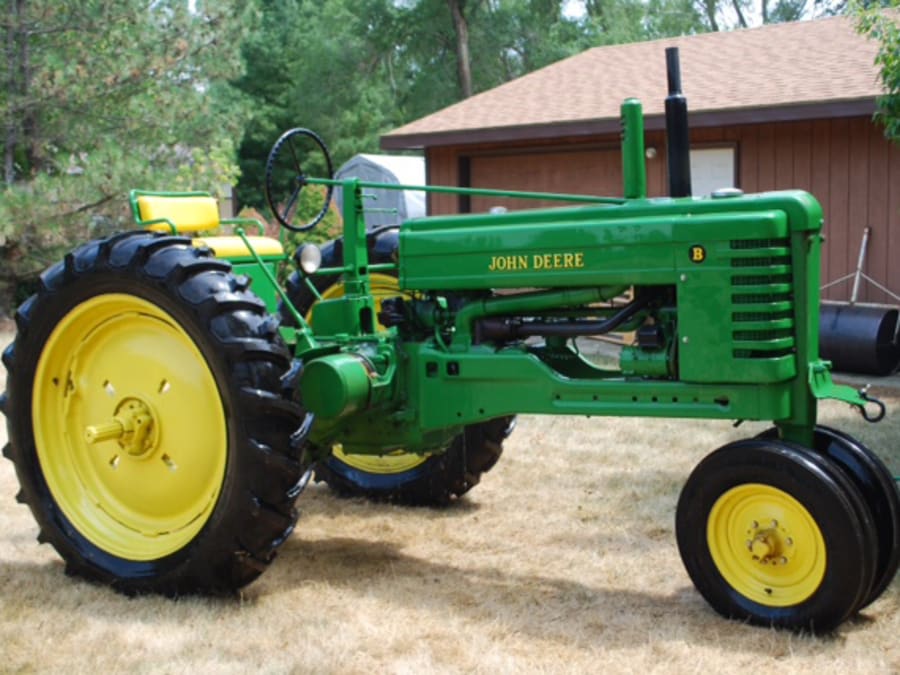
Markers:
<point>133,426</point>
<point>769,545</point>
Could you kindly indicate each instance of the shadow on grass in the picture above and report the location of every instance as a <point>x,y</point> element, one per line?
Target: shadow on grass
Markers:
<point>319,499</point>
<point>544,606</point>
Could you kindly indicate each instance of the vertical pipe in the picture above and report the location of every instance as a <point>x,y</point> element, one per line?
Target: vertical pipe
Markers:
<point>634,170</point>
<point>859,266</point>
<point>678,144</point>
<point>356,252</point>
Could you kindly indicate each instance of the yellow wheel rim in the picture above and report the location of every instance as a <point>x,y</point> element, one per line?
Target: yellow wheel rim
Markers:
<point>766,545</point>
<point>129,427</point>
<point>382,286</point>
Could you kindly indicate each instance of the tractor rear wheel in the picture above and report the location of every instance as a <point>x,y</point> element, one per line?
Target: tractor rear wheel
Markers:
<point>775,534</point>
<point>146,421</point>
<point>406,478</point>
<point>403,477</point>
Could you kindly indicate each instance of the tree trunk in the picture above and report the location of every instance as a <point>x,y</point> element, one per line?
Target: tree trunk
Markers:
<point>11,137</point>
<point>463,62</point>
<point>710,7</point>
<point>740,14</point>
<point>30,130</point>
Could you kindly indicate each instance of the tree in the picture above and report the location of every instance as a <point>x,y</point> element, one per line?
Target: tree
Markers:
<point>884,26</point>
<point>665,18</point>
<point>463,60</point>
<point>518,36</point>
<point>728,14</point>
<point>101,96</point>
<point>331,66</point>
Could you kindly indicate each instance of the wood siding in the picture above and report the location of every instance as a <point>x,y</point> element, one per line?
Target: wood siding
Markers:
<point>846,163</point>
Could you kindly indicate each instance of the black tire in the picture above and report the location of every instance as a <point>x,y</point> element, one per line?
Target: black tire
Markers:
<point>878,489</point>
<point>106,504</point>
<point>810,570</point>
<point>402,478</point>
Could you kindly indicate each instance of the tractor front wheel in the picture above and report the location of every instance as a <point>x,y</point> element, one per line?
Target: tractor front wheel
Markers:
<point>878,489</point>
<point>146,421</point>
<point>775,534</point>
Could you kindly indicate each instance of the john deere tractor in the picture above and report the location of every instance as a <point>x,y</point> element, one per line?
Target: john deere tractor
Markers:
<point>167,400</point>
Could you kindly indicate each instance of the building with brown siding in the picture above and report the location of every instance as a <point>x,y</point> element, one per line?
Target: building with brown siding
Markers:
<point>782,106</point>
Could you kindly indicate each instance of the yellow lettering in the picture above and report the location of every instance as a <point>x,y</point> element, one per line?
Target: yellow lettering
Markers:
<point>539,261</point>
<point>504,263</point>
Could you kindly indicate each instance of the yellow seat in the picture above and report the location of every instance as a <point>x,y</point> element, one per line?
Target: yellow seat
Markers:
<point>234,247</point>
<point>189,213</point>
<point>194,212</point>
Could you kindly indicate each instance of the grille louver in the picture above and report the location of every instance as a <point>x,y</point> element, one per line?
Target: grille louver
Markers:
<point>762,299</point>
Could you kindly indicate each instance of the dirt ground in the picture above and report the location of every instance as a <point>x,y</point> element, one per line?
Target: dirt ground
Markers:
<point>562,561</point>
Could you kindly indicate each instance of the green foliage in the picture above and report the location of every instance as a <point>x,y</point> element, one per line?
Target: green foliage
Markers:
<point>885,28</point>
<point>673,17</point>
<point>514,37</point>
<point>610,23</point>
<point>313,64</point>
<point>102,96</point>
<point>786,10</point>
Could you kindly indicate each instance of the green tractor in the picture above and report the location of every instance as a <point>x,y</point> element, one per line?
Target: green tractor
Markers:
<point>163,417</point>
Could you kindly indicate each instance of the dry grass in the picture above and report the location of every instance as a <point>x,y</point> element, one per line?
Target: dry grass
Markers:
<point>562,561</point>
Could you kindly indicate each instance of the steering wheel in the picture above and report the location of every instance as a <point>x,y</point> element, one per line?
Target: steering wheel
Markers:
<point>285,176</point>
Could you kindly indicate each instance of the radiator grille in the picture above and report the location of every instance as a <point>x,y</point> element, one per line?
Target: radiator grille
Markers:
<point>762,299</point>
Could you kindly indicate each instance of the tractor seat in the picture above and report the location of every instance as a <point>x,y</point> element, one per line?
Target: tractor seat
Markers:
<point>198,212</point>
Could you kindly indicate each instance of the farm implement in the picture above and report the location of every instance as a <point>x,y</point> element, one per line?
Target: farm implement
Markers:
<point>164,412</point>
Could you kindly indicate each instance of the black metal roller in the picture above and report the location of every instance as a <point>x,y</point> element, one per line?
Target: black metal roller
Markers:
<point>860,339</point>
<point>284,159</point>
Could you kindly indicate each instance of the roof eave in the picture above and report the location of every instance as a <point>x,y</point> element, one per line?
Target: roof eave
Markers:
<point>598,127</point>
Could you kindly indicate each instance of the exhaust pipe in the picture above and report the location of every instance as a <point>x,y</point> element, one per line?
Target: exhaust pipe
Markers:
<point>678,144</point>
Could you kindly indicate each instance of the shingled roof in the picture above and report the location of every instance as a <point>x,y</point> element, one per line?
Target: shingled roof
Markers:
<point>802,70</point>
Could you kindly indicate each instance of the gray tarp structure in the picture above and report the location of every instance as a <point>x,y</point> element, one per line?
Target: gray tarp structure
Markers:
<point>386,207</point>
